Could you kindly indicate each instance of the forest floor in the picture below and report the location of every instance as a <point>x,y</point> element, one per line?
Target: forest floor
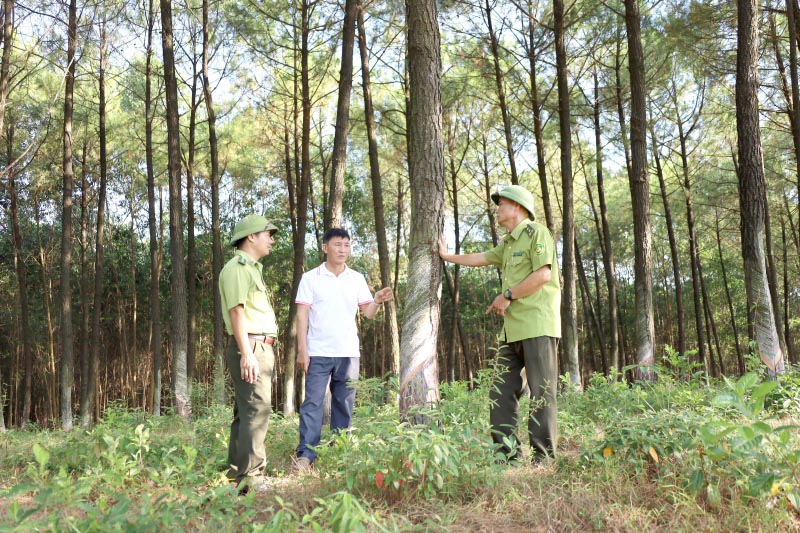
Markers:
<point>672,456</point>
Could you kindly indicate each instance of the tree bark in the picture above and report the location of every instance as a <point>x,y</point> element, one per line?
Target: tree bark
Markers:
<point>569,303</point>
<point>391,331</point>
<point>419,383</point>
<point>752,187</point>
<point>67,350</point>
<point>640,197</point>
<point>178,275</point>
<point>191,248</point>
<point>333,209</point>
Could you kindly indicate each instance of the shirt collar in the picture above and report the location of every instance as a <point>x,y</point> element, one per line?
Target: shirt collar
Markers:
<point>248,258</point>
<point>323,268</point>
<point>516,232</point>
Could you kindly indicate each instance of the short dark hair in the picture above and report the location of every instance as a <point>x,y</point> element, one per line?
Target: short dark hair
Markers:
<point>335,232</point>
<point>238,244</point>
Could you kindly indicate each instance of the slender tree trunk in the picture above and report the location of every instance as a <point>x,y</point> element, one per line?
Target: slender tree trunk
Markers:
<point>569,303</point>
<point>623,128</point>
<point>772,278</point>
<point>85,331</point>
<point>178,275</point>
<point>791,356</point>
<point>398,232</point>
<point>673,247</point>
<point>67,350</point>
<point>739,355</point>
<point>501,95</point>
<point>304,178</point>
<point>752,187</point>
<point>5,67</point>
<point>593,316</point>
<point>536,106</point>
<point>419,383</point>
<point>640,196</point>
<point>216,239</point>
<point>391,331</point>
<point>794,110</point>
<point>333,209</point>
<point>22,281</point>
<point>607,249</point>
<point>152,224</point>
<point>97,311</point>
<point>191,248</point>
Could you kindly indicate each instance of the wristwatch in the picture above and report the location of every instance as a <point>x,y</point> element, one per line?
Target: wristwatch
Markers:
<point>507,294</point>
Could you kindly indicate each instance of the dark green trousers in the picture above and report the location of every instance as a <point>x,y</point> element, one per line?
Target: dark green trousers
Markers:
<point>253,403</point>
<point>538,356</point>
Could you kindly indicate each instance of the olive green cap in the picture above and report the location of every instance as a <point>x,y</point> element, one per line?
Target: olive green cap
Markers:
<point>249,225</point>
<point>518,194</point>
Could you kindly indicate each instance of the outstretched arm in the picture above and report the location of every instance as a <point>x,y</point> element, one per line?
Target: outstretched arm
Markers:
<point>473,260</point>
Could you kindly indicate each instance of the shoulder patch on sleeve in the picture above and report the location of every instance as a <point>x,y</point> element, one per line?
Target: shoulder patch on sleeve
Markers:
<point>539,248</point>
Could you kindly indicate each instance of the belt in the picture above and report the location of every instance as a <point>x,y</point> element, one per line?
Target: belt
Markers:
<point>261,338</point>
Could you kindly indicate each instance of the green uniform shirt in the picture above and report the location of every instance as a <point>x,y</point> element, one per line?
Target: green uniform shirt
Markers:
<point>241,283</point>
<point>526,249</point>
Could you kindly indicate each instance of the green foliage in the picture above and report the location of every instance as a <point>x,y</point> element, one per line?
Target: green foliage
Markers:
<point>384,459</point>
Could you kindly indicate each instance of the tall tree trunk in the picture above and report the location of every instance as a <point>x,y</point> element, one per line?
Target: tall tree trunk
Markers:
<point>501,94</point>
<point>5,66</point>
<point>794,110</point>
<point>178,275</point>
<point>152,224</point>
<point>772,278</point>
<point>419,382</point>
<point>333,209</point>
<point>536,106</point>
<point>85,290</point>
<point>299,236</point>
<point>216,238</point>
<point>191,248</point>
<point>739,355</point>
<point>790,354</point>
<point>694,249</point>
<point>391,331</point>
<point>752,187</point>
<point>608,253</point>
<point>640,196</point>
<point>569,303</point>
<point>97,311</point>
<point>22,281</point>
<point>67,350</point>
<point>623,127</point>
<point>673,246</point>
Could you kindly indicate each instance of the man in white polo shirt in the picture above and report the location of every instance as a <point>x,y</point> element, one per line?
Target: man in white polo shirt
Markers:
<point>327,301</point>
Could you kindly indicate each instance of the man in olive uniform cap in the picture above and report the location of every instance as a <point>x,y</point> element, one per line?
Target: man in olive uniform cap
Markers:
<point>250,321</point>
<point>530,304</point>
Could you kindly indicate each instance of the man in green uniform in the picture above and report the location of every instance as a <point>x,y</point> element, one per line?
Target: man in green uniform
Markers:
<point>250,321</point>
<point>530,304</point>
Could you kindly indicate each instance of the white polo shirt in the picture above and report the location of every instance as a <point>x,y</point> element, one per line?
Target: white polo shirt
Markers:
<point>334,302</point>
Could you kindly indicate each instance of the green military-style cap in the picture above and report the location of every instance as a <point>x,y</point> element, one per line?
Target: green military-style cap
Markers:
<point>518,194</point>
<point>249,225</point>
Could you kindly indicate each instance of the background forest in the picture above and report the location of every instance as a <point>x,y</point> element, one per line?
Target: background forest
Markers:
<point>114,227</point>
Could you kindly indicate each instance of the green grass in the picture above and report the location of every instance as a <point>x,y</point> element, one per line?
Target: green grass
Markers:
<point>671,456</point>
